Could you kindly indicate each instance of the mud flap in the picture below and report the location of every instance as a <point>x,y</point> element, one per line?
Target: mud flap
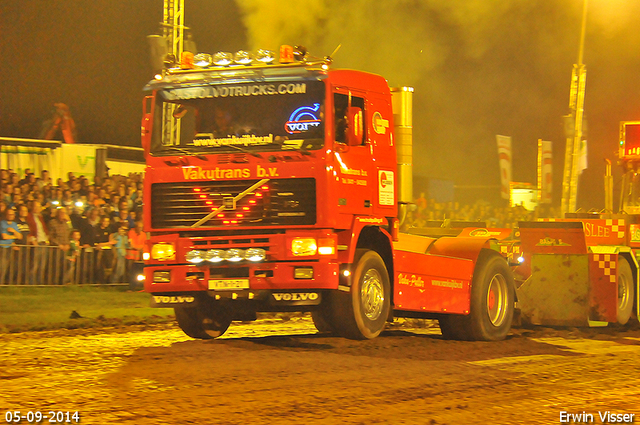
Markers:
<point>557,292</point>
<point>569,284</point>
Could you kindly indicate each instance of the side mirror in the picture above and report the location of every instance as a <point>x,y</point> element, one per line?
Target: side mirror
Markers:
<point>147,105</point>
<point>355,131</point>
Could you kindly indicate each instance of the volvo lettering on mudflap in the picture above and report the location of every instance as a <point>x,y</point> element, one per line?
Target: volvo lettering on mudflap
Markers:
<point>171,300</point>
<point>281,187</point>
<point>297,298</point>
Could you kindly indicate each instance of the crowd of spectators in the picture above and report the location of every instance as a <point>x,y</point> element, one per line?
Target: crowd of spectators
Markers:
<point>75,216</point>
<point>428,210</point>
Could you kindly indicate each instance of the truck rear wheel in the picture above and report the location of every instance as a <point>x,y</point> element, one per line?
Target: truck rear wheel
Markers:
<point>362,313</point>
<point>452,326</point>
<point>202,321</point>
<point>492,302</point>
<point>625,291</point>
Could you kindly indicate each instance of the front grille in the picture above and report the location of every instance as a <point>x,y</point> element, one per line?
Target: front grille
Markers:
<point>277,202</point>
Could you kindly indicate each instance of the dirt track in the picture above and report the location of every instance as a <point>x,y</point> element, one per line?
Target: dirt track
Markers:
<point>275,372</point>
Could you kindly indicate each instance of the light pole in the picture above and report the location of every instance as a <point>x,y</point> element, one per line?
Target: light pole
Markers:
<point>574,129</point>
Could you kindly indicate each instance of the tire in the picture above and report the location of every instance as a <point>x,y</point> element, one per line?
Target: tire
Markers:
<point>322,321</point>
<point>452,326</point>
<point>492,301</point>
<point>202,322</point>
<point>626,293</point>
<point>362,313</point>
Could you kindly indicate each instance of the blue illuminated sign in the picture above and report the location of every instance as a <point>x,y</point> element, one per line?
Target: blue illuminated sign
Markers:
<point>302,119</point>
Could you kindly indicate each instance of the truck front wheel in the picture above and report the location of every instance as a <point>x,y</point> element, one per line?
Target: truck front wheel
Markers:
<point>322,321</point>
<point>362,313</point>
<point>202,321</point>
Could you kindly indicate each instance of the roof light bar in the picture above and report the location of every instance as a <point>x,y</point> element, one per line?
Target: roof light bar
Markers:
<point>222,58</point>
<point>243,57</point>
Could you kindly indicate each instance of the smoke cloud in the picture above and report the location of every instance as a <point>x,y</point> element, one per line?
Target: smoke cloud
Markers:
<point>479,68</point>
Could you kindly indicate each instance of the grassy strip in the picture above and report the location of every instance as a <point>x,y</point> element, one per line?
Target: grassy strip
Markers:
<point>45,308</point>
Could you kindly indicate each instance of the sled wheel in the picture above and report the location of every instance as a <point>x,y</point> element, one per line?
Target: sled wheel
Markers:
<point>202,322</point>
<point>492,299</point>
<point>625,291</point>
<point>362,313</point>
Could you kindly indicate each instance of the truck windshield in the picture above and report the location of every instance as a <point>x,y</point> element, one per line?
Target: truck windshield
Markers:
<point>256,117</point>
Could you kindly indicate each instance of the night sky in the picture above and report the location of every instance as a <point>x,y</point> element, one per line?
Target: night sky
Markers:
<point>479,68</point>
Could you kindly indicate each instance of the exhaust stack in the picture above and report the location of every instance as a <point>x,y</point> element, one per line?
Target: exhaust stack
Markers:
<point>402,104</point>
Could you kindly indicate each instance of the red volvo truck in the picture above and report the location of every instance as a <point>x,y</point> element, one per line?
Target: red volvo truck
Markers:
<point>281,186</point>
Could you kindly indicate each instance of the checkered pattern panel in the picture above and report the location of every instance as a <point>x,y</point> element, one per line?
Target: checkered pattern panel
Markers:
<point>607,262</point>
<point>617,227</point>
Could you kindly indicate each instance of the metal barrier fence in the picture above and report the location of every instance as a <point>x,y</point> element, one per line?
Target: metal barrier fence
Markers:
<point>50,265</point>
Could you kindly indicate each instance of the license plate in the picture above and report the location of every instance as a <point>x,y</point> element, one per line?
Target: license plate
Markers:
<point>228,283</point>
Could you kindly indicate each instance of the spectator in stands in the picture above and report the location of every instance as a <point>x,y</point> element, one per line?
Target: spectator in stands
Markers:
<point>67,200</point>
<point>7,193</point>
<point>23,253</point>
<point>40,239</point>
<point>72,255</point>
<point>120,245</point>
<point>21,220</point>
<point>9,228</point>
<point>137,239</point>
<point>122,215</point>
<point>103,242</point>
<point>137,200</point>
<point>9,233</point>
<point>100,200</point>
<point>60,229</point>
<point>84,187</point>
<point>27,173</point>
<point>45,179</point>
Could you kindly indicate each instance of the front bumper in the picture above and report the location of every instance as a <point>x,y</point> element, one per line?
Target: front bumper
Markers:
<point>261,276</point>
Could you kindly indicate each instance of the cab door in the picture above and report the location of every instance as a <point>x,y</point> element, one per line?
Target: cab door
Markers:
<point>352,153</point>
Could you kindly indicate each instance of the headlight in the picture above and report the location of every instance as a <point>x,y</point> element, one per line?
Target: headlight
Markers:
<point>194,256</point>
<point>234,255</point>
<point>214,255</point>
<point>255,254</point>
<point>304,246</point>
<point>163,251</point>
